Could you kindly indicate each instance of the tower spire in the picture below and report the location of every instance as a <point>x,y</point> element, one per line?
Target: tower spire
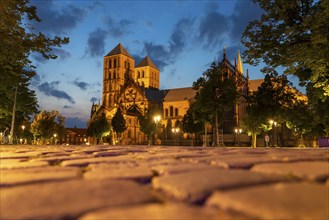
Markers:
<point>239,63</point>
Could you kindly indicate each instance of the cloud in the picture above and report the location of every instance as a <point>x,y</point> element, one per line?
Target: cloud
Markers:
<point>212,29</point>
<point>60,53</point>
<point>96,43</point>
<point>50,89</point>
<point>244,12</point>
<point>82,85</point>
<point>67,106</point>
<point>118,29</point>
<point>163,55</point>
<point>56,20</point>
<point>93,99</point>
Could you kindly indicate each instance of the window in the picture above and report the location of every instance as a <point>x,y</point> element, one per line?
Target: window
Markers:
<point>139,75</point>
<point>129,133</point>
<point>109,75</point>
<point>143,74</point>
<point>166,113</point>
<point>110,63</point>
<point>171,111</point>
<point>114,75</point>
<point>176,111</point>
<point>115,63</point>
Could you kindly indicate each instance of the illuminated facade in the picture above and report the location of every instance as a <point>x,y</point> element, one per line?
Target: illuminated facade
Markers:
<point>135,88</point>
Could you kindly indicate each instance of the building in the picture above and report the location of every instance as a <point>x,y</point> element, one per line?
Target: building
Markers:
<point>75,136</point>
<point>136,88</point>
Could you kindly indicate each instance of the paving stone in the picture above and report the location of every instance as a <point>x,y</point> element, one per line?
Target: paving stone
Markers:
<point>159,211</point>
<point>38,174</point>
<point>20,163</point>
<point>277,201</point>
<point>119,171</point>
<point>312,170</point>
<point>197,185</point>
<point>68,199</point>
<point>85,162</point>
<point>179,167</point>
<point>19,155</point>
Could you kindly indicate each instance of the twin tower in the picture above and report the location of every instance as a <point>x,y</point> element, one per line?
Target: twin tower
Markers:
<point>120,69</point>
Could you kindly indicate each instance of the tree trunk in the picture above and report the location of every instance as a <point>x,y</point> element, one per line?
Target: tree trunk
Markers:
<point>205,135</point>
<point>254,140</point>
<point>13,118</point>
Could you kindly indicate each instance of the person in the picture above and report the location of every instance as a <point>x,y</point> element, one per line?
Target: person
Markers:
<point>5,135</point>
<point>267,140</point>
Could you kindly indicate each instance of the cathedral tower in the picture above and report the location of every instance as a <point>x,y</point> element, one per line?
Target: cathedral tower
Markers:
<point>118,67</point>
<point>147,74</point>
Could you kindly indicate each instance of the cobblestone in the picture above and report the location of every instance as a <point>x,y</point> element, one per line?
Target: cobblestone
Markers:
<point>155,182</point>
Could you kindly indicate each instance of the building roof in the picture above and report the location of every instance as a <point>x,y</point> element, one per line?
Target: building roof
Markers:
<point>155,95</point>
<point>146,61</point>
<point>78,131</point>
<point>254,84</point>
<point>119,49</point>
<point>180,94</point>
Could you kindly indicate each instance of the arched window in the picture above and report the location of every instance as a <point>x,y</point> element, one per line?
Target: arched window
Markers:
<point>114,75</point>
<point>115,63</point>
<point>166,113</point>
<point>110,63</point>
<point>176,111</point>
<point>139,75</point>
<point>109,75</point>
<point>143,74</point>
<point>171,111</point>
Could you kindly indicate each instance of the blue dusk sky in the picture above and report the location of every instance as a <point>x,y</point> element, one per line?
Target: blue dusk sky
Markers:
<point>181,37</point>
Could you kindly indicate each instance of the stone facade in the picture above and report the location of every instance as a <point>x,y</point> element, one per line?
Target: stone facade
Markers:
<point>136,88</point>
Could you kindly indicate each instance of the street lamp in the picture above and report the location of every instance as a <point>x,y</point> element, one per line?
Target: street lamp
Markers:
<point>237,132</point>
<point>23,139</point>
<point>55,135</point>
<point>274,136</point>
<point>157,119</point>
<point>175,131</point>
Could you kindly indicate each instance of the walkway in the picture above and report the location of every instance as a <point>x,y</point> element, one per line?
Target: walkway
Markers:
<point>142,182</point>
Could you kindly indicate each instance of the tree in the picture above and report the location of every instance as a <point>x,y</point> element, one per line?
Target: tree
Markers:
<point>274,99</point>
<point>293,35</point>
<point>98,126</point>
<point>118,122</point>
<point>191,122</point>
<point>18,41</point>
<point>147,124</point>
<point>300,120</point>
<point>48,126</point>
<point>216,95</point>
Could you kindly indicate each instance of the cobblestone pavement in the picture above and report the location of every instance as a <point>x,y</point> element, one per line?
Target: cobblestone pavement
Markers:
<point>154,182</point>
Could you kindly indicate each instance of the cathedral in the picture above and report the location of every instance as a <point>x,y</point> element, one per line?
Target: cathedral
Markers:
<point>134,88</point>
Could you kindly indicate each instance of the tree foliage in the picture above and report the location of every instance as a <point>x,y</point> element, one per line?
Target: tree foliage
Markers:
<point>191,121</point>
<point>216,95</point>
<point>18,41</point>
<point>118,122</point>
<point>293,35</point>
<point>46,124</point>
<point>98,126</point>
<point>274,100</point>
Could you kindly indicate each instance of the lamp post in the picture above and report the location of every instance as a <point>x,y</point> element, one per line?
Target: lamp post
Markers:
<point>23,139</point>
<point>272,122</point>
<point>175,131</point>
<point>157,119</point>
<point>237,132</point>
<point>55,135</point>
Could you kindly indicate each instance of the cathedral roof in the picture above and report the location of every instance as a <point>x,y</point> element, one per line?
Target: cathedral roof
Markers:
<point>146,61</point>
<point>155,95</point>
<point>254,84</point>
<point>180,94</point>
<point>119,49</point>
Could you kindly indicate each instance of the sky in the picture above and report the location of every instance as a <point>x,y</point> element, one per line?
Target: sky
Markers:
<point>181,37</point>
